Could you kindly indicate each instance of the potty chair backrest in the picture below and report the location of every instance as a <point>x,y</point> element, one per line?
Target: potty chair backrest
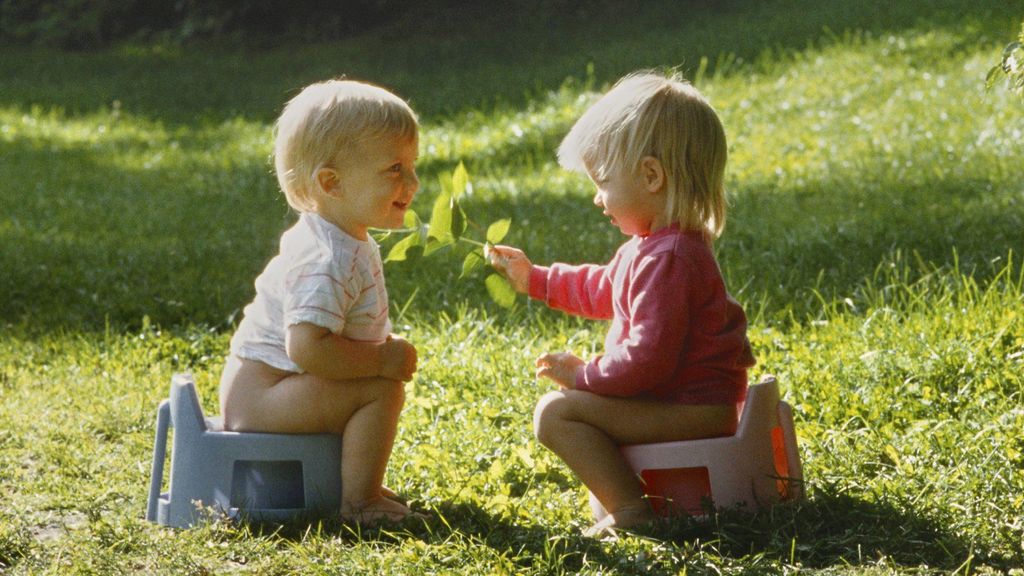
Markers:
<point>758,412</point>
<point>186,413</point>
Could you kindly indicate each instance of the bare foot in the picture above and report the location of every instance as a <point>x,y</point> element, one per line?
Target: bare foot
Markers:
<point>388,493</point>
<point>621,519</point>
<point>376,511</point>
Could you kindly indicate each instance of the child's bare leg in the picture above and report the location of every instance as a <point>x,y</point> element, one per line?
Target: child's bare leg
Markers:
<point>257,397</point>
<point>586,430</point>
<point>367,439</point>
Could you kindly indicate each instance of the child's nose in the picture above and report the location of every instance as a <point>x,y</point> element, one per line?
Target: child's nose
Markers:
<point>598,201</point>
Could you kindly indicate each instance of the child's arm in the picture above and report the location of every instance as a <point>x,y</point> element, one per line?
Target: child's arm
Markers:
<point>322,353</point>
<point>582,290</point>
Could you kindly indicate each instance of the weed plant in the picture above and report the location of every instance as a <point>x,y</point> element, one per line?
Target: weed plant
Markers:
<point>875,239</point>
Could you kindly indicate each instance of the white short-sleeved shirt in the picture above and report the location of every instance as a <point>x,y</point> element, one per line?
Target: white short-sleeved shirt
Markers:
<point>322,276</point>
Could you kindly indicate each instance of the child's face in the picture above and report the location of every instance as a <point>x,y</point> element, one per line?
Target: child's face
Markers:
<point>632,208</point>
<point>376,186</point>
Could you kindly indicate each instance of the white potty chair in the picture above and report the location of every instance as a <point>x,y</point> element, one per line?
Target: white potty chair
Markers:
<point>258,476</point>
<point>757,467</point>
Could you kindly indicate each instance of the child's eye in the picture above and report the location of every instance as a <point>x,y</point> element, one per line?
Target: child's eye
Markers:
<point>396,168</point>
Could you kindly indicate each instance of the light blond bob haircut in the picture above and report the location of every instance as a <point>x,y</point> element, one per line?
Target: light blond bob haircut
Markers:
<point>649,114</point>
<point>324,124</point>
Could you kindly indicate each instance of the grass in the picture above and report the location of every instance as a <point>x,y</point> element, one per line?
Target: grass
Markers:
<point>874,238</point>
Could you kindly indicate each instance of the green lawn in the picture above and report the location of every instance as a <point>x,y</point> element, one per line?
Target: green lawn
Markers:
<point>875,239</point>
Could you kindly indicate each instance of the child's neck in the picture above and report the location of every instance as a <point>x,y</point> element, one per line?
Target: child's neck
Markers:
<point>657,224</point>
<point>358,232</point>
<point>343,221</point>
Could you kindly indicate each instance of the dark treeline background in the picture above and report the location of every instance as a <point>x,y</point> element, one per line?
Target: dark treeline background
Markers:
<point>87,24</point>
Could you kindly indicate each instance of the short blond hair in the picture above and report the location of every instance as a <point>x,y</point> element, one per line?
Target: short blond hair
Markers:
<point>325,121</point>
<point>649,114</point>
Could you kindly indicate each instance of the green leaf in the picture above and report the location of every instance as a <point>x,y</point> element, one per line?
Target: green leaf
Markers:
<point>444,179</point>
<point>441,220</point>
<point>993,74</point>
<point>433,245</point>
<point>496,232</point>
<point>473,262</point>
<point>460,181</point>
<point>500,290</point>
<point>1007,51</point>
<point>400,251</point>
<point>459,220</point>
<point>412,220</point>
<point>415,252</point>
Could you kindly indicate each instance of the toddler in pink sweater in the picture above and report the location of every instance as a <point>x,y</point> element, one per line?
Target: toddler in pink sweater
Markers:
<point>676,353</point>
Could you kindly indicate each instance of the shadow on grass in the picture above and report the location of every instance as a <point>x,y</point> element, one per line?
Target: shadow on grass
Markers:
<point>530,547</point>
<point>110,256</point>
<point>93,244</point>
<point>442,58</point>
<point>15,544</point>
<point>828,530</point>
<point>791,248</point>
<point>89,244</point>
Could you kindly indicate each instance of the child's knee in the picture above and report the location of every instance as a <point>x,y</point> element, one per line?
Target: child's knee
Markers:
<point>392,392</point>
<point>549,411</point>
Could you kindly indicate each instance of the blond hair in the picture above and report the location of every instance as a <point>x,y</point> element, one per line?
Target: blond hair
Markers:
<point>323,123</point>
<point>648,114</point>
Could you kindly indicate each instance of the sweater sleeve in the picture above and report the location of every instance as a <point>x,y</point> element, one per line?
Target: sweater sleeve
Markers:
<point>584,290</point>
<point>650,348</point>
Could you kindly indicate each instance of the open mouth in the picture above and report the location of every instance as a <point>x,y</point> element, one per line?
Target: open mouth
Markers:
<point>400,205</point>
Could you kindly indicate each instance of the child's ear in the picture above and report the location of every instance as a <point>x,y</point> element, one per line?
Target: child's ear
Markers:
<point>652,174</point>
<point>328,181</point>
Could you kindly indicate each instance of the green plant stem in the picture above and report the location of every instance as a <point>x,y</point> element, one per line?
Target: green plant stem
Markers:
<point>471,241</point>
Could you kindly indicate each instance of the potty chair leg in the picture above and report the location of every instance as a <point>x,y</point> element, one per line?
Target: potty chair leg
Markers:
<point>163,422</point>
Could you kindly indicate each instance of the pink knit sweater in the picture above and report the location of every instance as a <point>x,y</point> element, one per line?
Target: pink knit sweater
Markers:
<point>675,335</point>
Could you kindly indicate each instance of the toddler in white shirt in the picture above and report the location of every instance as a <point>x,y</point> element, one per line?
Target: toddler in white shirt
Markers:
<point>314,351</point>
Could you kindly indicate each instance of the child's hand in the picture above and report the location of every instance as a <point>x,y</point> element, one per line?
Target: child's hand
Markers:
<point>398,359</point>
<point>513,264</point>
<point>561,367</point>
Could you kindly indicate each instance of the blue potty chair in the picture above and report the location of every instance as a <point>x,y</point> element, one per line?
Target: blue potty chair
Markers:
<point>243,475</point>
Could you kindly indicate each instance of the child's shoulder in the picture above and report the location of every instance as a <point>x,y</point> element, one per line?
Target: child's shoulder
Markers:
<point>312,238</point>
<point>671,239</point>
<point>678,254</point>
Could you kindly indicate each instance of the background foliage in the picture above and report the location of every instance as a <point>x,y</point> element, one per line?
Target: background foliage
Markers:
<point>874,237</point>
<point>90,24</point>
<point>1011,65</point>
